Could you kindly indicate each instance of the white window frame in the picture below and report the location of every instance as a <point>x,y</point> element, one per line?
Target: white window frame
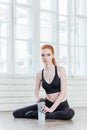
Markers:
<point>36,38</point>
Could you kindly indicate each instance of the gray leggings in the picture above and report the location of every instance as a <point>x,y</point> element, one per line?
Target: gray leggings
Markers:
<point>63,111</point>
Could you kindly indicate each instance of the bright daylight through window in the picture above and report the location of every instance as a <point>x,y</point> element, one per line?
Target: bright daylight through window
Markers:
<point>27,24</point>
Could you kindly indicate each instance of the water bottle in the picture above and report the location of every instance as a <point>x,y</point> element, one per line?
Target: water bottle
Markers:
<point>41,104</point>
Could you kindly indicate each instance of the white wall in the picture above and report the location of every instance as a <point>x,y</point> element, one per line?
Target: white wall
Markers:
<point>17,92</point>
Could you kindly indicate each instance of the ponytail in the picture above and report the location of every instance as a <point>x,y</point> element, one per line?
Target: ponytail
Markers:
<point>54,61</point>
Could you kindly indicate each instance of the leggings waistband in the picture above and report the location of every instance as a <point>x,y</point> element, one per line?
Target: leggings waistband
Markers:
<point>46,100</point>
<point>62,105</point>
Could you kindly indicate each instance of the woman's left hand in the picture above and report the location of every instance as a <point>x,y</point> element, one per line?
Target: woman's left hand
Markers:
<point>46,109</point>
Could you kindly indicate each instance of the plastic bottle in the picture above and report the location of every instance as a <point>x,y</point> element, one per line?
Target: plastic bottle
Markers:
<point>41,104</point>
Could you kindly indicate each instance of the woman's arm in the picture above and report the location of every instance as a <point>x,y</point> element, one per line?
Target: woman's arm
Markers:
<point>62,94</point>
<point>37,86</point>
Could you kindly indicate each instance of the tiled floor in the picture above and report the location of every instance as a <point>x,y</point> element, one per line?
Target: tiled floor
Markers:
<point>79,122</point>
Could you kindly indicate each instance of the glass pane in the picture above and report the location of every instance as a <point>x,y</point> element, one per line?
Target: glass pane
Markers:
<point>4,34</point>
<point>27,2</point>
<point>72,33</point>
<point>23,57</point>
<point>63,30</point>
<point>4,30</point>
<point>63,7</point>
<point>72,60</point>
<point>4,20</point>
<point>63,57</point>
<point>81,32</point>
<point>6,1</point>
<point>48,5</point>
<point>4,13</point>
<point>81,61</point>
<point>23,23</point>
<point>81,7</point>
<point>48,26</point>
<point>3,56</point>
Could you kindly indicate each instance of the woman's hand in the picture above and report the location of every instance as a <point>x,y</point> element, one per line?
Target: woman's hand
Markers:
<point>46,109</point>
<point>37,99</point>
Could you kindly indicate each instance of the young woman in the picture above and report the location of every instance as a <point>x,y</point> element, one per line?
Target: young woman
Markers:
<point>53,80</point>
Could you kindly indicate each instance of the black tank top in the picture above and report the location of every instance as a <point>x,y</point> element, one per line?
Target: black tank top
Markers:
<point>52,87</point>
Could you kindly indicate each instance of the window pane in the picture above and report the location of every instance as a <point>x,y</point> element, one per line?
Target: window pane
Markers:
<point>81,6</point>
<point>78,61</point>
<point>3,56</point>
<point>63,30</point>
<point>4,20</point>
<point>6,1</point>
<point>72,61</point>
<point>72,32</point>
<point>4,35</point>
<point>63,7</point>
<point>81,32</point>
<point>23,57</point>
<point>24,38</point>
<point>81,61</point>
<point>48,5</point>
<point>27,2</point>
<point>23,23</point>
<point>4,13</point>
<point>48,27</point>
<point>63,57</point>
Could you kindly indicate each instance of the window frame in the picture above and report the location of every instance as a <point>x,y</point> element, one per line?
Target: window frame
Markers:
<point>36,38</point>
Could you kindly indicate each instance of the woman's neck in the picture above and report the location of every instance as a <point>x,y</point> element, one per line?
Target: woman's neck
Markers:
<point>50,66</point>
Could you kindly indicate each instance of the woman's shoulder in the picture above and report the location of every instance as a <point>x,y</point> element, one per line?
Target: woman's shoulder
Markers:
<point>61,70</point>
<point>39,74</point>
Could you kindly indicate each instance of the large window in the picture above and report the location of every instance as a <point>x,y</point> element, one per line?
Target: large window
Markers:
<point>81,38</point>
<point>27,24</point>
<point>5,6</point>
<point>16,36</point>
<point>23,36</point>
<point>72,36</point>
<point>48,22</point>
<point>63,33</point>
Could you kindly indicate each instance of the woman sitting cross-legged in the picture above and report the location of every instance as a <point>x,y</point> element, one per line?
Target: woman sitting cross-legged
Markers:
<point>53,80</point>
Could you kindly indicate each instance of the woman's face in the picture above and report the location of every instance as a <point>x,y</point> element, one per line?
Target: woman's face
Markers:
<point>47,56</point>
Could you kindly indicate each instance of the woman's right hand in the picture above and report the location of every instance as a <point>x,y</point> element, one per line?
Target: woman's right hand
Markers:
<point>37,99</point>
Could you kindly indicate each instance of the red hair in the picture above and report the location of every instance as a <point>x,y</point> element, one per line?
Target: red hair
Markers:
<point>50,47</point>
